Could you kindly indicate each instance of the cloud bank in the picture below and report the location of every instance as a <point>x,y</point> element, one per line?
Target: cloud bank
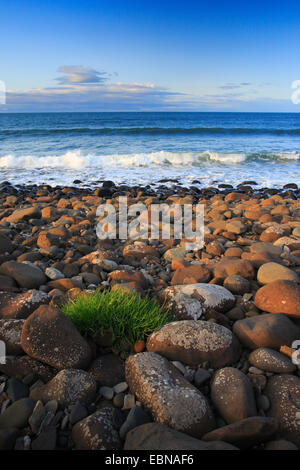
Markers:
<point>86,89</point>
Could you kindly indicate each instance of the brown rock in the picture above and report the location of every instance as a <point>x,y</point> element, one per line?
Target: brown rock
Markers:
<point>24,214</point>
<point>245,433</point>
<point>128,276</point>
<point>26,275</point>
<point>232,394</point>
<point>108,370</point>
<point>18,306</point>
<point>228,266</point>
<point>10,333</point>
<point>271,361</point>
<point>49,336</point>
<point>191,275</point>
<point>155,436</point>
<point>279,297</point>
<point>267,330</point>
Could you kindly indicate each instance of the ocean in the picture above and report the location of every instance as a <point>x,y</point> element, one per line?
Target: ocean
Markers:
<point>145,147</point>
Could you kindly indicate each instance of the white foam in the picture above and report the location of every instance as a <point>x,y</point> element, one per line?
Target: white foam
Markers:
<point>75,159</point>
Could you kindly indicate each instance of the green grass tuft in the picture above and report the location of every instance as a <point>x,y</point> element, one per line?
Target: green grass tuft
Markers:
<point>127,316</point>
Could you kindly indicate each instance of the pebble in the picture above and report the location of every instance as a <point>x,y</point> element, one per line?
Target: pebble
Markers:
<point>179,366</point>
<point>129,401</point>
<point>107,392</point>
<point>118,400</point>
<point>121,387</point>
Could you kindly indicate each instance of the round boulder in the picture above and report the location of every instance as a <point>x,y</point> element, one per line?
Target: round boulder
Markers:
<point>193,342</point>
<point>232,395</point>
<point>50,337</point>
<point>279,297</point>
<point>270,272</point>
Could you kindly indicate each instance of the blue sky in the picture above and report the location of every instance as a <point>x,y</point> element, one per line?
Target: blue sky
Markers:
<point>145,56</point>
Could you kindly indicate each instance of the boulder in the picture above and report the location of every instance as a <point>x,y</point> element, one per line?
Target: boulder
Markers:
<point>229,266</point>
<point>20,306</point>
<point>193,274</point>
<point>279,297</point>
<point>97,432</point>
<point>26,275</point>
<point>245,433</point>
<point>163,390</point>
<point>50,337</point>
<point>271,361</point>
<point>24,214</point>
<point>68,387</point>
<point>233,395</point>
<point>108,370</point>
<point>17,414</point>
<point>270,272</point>
<point>283,392</point>
<point>25,365</point>
<point>193,342</point>
<point>155,436</point>
<point>266,331</point>
<point>210,296</point>
<point>10,333</point>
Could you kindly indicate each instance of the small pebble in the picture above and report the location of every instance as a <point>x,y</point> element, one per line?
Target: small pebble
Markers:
<point>129,401</point>
<point>107,392</point>
<point>121,387</point>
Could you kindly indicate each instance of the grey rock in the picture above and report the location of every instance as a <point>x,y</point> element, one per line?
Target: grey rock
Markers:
<point>172,400</point>
<point>16,390</point>
<point>68,387</point>
<point>17,414</point>
<point>136,417</point>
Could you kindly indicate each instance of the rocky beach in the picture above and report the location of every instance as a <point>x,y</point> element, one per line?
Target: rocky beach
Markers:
<point>223,374</point>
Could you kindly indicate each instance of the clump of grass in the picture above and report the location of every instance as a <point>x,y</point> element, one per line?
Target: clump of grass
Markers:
<point>127,316</point>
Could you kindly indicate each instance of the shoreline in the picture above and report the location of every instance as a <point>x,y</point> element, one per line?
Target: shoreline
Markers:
<point>235,308</point>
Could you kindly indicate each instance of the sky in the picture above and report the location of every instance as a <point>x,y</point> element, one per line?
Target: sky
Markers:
<point>149,55</point>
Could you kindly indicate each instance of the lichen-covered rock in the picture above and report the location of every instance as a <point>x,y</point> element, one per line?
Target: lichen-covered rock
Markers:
<point>49,336</point>
<point>283,392</point>
<point>14,305</point>
<point>232,394</point>
<point>271,361</point>
<point>193,342</point>
<point>68,387</point>
<point>10,333</point>
<point>185,307</point>
<point>97,432</point>
<point>24,365</point>
<point>171,399</point>
<point>210,296</point>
